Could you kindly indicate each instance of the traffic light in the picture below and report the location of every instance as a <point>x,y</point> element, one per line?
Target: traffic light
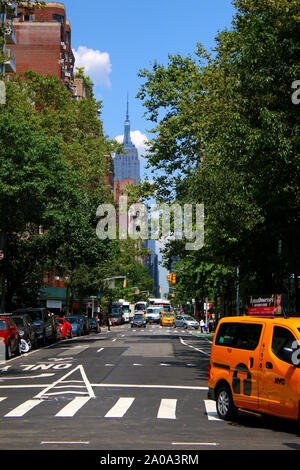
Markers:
<point>173,278</point>
<point>170,277</point>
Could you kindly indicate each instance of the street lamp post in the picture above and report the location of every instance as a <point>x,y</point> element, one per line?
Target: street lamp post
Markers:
<point>93,297</point>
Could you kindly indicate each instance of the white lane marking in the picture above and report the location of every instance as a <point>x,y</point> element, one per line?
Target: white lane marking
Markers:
<point>2,398</point>
<point>114,340</point>
<point>71,408</point>
<point>165,365</point>
<point>120,408</point>
<point>23,409</point>
<point>24,386</point>
<point>104,385</point>
<point>101,349</point>
<point>64,442</point>
<point>196,349</point>
<point>195,444</point>
<point>137,364</point>
<point>167,409</point>
<point>211,410</point>
<point>172,387</point>
<point>28,377</point>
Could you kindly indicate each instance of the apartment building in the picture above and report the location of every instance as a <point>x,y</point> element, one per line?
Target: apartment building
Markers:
<point>44,42</point>
<point>10,39</point>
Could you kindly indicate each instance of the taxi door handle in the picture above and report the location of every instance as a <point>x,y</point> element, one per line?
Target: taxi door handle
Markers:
<point>269,365</point>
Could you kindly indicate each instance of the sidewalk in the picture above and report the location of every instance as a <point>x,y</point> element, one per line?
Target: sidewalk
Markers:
<point>208,336</point>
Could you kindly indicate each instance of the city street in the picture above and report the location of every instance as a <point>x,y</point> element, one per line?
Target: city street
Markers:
<point>127,389</point>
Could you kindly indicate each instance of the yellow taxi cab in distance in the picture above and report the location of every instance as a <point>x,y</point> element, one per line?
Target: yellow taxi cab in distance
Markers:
<point>167,318</point>
<point>255,366</point>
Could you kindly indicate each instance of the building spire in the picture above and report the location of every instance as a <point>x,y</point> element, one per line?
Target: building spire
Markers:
<point>127,110</point>
<point>127,139</point>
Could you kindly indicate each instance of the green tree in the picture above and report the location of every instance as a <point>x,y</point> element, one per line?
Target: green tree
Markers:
<point>53,174</point>
<point>227,135</point>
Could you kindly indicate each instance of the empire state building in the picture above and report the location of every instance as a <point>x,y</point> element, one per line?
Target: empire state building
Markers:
<point>127,165</point>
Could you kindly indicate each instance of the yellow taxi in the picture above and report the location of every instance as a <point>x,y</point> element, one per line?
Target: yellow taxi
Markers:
<point>167,318</point>
<point>255,365</point>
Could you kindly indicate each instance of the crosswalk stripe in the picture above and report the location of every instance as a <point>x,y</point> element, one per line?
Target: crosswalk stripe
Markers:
<point>167,409</point>
<point>211,410</point>
<point>120,408</point>
<point>71,408</point>
<point>23,409</point>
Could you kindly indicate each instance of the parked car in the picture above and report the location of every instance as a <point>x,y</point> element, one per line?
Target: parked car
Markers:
<point>186,321</point>
<point>77,326</point>
<point>138,320</point>
<point>9,335</point>
<point>27,330</point>
<point>94,326</point>
<point>65,327</point>
<point>85,323</point>
<point>43,321</point>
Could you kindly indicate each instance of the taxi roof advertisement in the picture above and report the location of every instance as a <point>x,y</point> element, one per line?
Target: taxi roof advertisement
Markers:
<point>266,305</point>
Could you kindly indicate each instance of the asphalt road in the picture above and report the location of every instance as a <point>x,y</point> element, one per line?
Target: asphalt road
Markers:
<point>127,389</point>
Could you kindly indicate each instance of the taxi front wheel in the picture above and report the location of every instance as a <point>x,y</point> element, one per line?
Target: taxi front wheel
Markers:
<point>225,406</point>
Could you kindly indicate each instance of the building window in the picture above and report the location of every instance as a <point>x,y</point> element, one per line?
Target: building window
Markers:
<point>28,17</point>
<point>67,37</point>
<point>59,18</point>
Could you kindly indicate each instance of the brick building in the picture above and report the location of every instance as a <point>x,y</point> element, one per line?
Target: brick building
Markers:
<point>44,42</point>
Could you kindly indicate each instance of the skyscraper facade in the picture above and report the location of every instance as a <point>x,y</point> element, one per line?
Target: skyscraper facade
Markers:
<point>127,164</point>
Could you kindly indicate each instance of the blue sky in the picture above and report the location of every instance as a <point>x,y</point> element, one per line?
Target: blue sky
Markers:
<point>115,39</point>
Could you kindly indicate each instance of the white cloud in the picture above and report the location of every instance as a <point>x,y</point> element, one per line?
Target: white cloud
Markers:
<point>96,63</point>
<point>138,139</point>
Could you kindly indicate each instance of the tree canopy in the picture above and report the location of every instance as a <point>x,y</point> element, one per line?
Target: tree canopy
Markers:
<point>226,134</point>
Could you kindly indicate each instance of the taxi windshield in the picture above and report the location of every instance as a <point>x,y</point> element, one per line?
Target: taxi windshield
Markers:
<point>3,325</point>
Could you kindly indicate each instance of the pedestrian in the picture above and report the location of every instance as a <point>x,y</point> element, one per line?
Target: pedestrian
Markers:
<point>202,325</point>
<point>108,323</point>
